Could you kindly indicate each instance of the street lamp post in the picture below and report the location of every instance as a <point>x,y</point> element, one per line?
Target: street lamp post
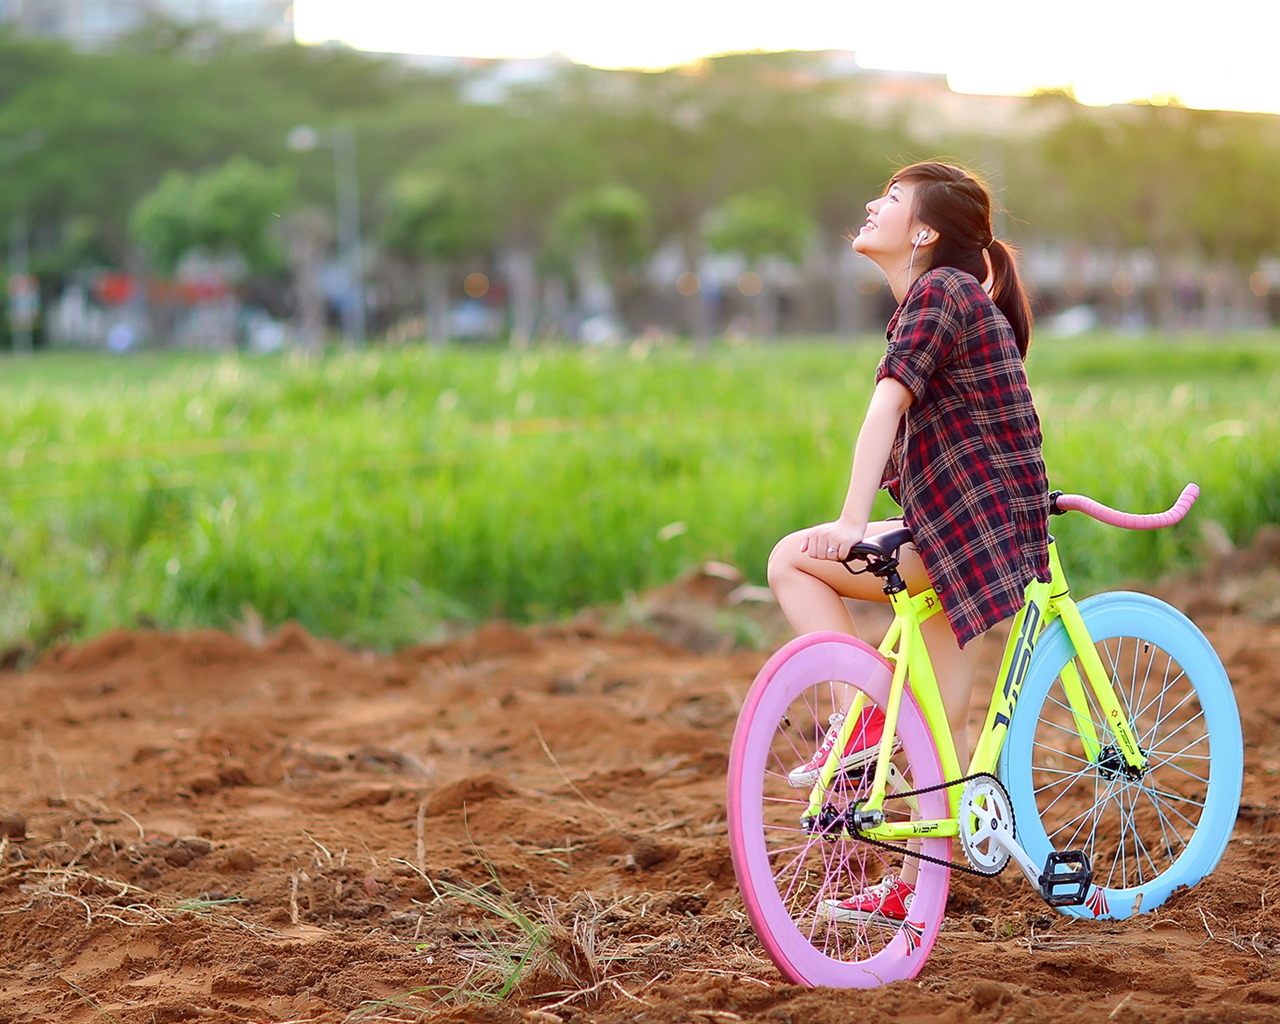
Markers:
<point>342,140</point>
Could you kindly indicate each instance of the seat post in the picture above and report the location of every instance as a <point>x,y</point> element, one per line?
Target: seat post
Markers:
<point>893,582</point>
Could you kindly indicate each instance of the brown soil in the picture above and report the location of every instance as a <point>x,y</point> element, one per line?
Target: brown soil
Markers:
<point>271,828</point>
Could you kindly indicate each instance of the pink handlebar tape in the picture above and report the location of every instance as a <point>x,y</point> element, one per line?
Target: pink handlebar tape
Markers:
<point>1130,520</point>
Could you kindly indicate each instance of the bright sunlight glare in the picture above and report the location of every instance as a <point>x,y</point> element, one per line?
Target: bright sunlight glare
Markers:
<point>1106,52</point>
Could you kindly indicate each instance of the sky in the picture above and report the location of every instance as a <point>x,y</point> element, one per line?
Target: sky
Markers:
<point>1218,56</point>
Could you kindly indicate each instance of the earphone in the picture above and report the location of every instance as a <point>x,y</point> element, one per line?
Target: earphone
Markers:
<point>921,237</point>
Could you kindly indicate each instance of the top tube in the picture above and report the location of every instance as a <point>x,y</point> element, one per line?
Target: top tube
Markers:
<point>1059,503</point>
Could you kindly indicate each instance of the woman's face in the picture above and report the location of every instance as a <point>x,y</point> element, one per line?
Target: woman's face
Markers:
<point>891,227</point>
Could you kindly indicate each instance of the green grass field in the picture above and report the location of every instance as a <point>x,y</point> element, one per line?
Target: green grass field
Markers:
<point>374,496</point>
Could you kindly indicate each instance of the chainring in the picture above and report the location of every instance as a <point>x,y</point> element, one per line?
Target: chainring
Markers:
<point>985,812</point>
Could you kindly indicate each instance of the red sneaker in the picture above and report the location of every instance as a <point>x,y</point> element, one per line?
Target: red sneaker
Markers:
<point>886,903</point>
<point>863,745</point>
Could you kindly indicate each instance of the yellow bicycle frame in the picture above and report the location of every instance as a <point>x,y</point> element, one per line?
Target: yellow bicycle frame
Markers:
<point>903,646</point>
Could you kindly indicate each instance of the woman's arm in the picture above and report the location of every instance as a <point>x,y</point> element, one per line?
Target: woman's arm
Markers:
<point>889,402</point>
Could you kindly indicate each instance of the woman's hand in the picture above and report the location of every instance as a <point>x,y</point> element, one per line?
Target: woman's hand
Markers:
<point>832,541</point>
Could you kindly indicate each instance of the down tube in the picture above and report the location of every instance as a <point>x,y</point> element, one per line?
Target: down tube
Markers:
<point>1028,624</point>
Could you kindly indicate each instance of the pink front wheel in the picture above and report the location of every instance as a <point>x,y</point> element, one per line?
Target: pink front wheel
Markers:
<point>791,875</point>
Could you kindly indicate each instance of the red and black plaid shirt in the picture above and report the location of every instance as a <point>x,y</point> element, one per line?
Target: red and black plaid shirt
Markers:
<point>966,465</point>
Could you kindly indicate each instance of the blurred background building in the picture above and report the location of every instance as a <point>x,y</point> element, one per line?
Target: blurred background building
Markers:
<point>90,24</point>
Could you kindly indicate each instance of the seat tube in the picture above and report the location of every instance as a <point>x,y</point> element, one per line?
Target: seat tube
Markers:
<point>914,658</point>
<point>880,778</point>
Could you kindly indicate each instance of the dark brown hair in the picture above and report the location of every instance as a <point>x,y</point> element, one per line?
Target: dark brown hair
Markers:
<point>957,204</point>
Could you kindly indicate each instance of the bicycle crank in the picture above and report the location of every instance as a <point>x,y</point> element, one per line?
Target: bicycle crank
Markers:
<point>987,838</point>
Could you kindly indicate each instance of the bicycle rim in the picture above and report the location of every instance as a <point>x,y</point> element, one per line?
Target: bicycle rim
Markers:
<point>1144,836</point>
<point>789,877</point>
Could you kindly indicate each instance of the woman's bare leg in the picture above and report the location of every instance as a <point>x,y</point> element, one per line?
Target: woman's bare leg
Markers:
<point>955,668</point>
<point>810,592</point>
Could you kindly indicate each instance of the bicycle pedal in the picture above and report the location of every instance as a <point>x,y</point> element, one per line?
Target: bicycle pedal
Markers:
<point>1066,878</point>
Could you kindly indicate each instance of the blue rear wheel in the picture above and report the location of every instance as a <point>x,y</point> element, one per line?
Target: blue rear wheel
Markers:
<point>1144,836</point>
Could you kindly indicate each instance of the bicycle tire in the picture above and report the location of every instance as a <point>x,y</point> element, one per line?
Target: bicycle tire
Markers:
<point>786,874</point>
<point>1145,837</point>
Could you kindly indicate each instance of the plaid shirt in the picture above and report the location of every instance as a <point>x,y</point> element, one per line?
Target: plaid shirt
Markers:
<point>966,464</point>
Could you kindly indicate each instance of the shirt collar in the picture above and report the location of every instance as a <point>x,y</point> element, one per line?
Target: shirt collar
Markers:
<point>897,313</point>
<point>893,323</point>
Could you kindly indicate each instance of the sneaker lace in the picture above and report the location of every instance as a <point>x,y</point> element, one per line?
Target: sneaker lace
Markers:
<point>828,741</point>
<point>882,888</point>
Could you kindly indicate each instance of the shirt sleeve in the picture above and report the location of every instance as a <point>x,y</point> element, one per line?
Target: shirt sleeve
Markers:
<point>927,327</point>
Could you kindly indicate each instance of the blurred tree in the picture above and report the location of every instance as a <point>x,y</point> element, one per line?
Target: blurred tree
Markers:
<point>227,211</point>
<point>173,98</point>
<point>1234,215</point>
<point>1167,180</point>
<point>227,216</point>
<point>606,233</point>
<point>522,160</point>
<point>762,227</point>
<point>844,159</point>
<point>433,221</point>
<point>680,140</point>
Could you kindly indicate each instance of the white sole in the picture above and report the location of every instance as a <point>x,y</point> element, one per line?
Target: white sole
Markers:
<point>832,910</point>
<point>848,765</point>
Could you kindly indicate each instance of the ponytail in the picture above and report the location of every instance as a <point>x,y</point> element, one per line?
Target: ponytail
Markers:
<point>1008,294</point>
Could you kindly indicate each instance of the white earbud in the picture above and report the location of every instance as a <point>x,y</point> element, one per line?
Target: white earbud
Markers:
<point>922,238</point>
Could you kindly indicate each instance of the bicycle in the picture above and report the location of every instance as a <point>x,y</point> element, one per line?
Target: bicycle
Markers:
<point>1112,739</point>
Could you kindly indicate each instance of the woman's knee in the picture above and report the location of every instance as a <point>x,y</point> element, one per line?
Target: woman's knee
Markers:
<point>782,560</point>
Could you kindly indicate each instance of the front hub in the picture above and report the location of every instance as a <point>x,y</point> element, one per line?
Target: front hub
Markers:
<point>1112,765</point>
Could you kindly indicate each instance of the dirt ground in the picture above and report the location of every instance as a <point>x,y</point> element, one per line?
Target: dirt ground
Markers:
<point>266,827</point>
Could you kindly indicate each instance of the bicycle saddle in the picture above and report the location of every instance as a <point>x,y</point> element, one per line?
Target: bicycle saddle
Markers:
<point>882,545</point>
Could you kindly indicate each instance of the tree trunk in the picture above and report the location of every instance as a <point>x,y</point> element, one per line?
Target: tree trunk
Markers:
<point>307,235</point>
<point>436,285</point>
<point>695,303</point>
<point>521,273</point>
<point>595,296</point>
<point>850,304</point>
<point>765,307</point>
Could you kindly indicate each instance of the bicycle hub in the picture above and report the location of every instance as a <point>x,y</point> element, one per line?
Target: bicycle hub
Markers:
<point>861,820</point>
<point>827,823</point>
<point>1111,764</point>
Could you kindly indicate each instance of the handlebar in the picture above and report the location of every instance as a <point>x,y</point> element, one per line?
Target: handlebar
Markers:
<point>1059,503</point>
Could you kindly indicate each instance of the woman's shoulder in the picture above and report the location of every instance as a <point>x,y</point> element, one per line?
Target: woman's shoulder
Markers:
<point>950,291</point>
<point>942,288</point>
<point>952,281</point>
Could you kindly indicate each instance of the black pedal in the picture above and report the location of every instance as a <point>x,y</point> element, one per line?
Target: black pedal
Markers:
<point>1066,878</point>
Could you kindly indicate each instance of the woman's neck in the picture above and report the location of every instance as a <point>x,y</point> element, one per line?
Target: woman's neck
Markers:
<point>900,282</point>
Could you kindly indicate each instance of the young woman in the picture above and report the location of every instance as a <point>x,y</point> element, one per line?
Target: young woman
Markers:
<point>951,432</point>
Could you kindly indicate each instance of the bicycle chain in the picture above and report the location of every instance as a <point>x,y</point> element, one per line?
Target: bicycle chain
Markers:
<point>966,868</point>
